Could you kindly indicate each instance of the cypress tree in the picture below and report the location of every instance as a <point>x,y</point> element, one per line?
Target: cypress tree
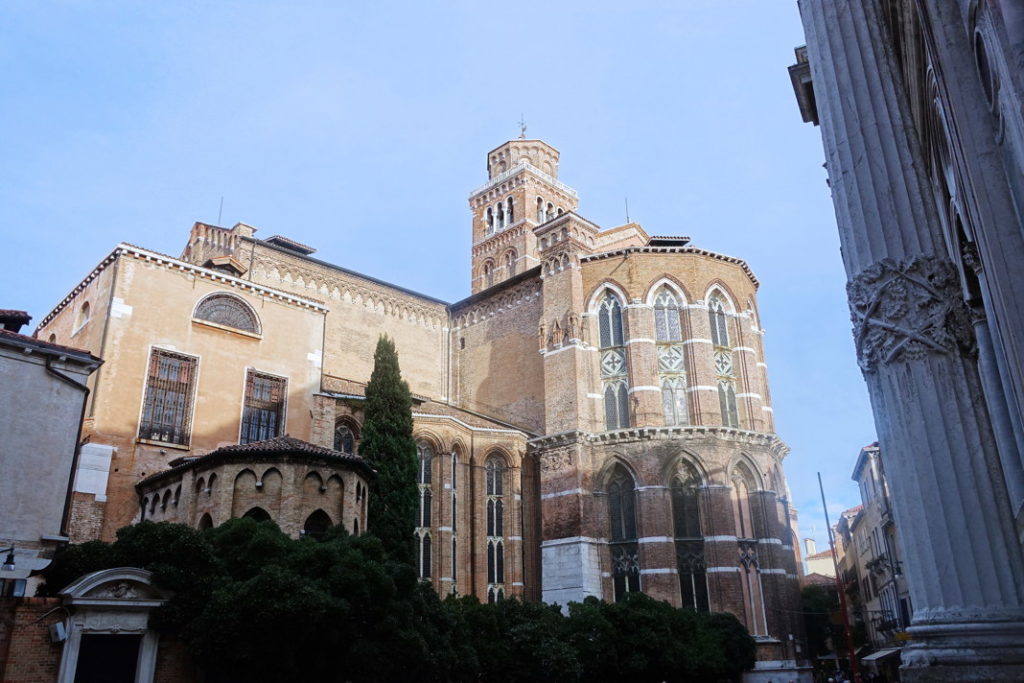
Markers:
<point>388,445</point>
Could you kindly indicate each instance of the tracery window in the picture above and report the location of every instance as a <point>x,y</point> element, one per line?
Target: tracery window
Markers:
<point>263,415</point>
<point>625,557</point>
<point>689,540</point>
<point>615,386</point>
<point>167,406</point>
<point>671,358</point>
<point>494,490</point>
<point>230,311</point>
<point>423,516</point>
<point>743,486</point>
<point>723,361</point>
<point>344,438</point>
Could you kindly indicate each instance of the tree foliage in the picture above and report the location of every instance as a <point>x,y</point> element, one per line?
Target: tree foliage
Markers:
<point>254,605</point>
<point>388,445</point>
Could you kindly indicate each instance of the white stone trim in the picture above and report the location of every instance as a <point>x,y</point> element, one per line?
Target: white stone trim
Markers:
<point>640,340</point>
<point>567,492</point>
<point>774,570</point>
<point>721,570</point>
<point>643,387</point>
<point>770,541</point>
<point>767,409</point>
<point>697,341</point>
<point>761,364</point>
<point>701,388</point>
<point>714,539</point>
<point>590,395</point>
<point>573,344</point>
<point>744,348</point>
<point>750,395</point>
<point>492,430</point>
<point>655,539</point>
<point>659,570</point>
<point>652,487</point>
<point>572,539</point>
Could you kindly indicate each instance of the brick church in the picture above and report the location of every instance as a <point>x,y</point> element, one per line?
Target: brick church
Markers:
<point>593,419</point>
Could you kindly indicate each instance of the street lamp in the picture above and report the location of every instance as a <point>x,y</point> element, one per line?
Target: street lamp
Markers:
<point>8,565</point>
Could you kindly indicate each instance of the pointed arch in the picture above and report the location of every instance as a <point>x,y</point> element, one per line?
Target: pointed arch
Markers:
<point>317,524</point>
<point>671,283</point>
<point>622,531</point>
<point>724,293</point>
<point>601,290</point>
<point>205,522</point>
<point>258,514</point>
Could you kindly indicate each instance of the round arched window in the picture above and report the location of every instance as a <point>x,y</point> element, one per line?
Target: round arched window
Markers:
<point>230,311</point>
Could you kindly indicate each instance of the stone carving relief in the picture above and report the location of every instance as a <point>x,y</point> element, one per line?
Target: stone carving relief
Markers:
<point>904,310</point>
<point>555,461</point>
<point>121,590</point>
<point>561,332</point>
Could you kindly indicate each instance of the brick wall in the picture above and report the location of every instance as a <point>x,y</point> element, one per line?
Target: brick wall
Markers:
<point>26,653</point>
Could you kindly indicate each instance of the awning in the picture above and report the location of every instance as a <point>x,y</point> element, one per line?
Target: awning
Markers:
<point>881,654</point>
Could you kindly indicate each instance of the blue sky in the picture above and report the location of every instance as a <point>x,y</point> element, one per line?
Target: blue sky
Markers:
<point>361,128</point>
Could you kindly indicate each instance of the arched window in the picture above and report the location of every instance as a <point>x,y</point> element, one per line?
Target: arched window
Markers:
<point>671,357</point>
<point>499,216</point>
<point>510,215</point>
<point>490,220</point>
<point>718,320</point>
<point>540,210</point>
<point>53,338</point>
<point>205,522</point>
<point>693,585</point>
<point>316,525</point>
<point>615,386</point>
<point>722,359</point>
<point>83,315</point>
<point>549,212</point>
<point>494,491</point>
<point>228,310</point>
<point>744,484</point>
<point>455,517</point>
<point>344,438</point>
<point>510,262</point>
<point>488,273</point>
<point>625,558</point>
<point>423,518</point>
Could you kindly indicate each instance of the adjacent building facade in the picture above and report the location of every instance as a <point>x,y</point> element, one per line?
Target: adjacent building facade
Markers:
<point>594,419</point>
<point>920,108</point>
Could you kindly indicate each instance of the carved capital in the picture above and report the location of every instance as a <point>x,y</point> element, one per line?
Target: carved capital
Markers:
<point>904,310</point>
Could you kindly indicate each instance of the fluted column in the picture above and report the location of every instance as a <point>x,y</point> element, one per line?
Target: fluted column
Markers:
<point>916,349</point>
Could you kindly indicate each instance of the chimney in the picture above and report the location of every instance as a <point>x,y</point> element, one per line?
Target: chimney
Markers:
<point>12,320</point>
<point>811,546</point>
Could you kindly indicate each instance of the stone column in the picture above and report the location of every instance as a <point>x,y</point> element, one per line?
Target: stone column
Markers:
<point>916,348</point>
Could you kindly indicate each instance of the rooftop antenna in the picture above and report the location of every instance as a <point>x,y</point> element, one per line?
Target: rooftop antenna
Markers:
<point>627,209</point>
<point>221,209</point>
<point>522,127</point>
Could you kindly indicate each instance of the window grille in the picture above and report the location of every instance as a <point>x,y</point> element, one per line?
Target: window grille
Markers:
<point>689,541</point>
<point>263,416</point>
<point>723,363</point>
<point>671,358</point>
<point>230,311</point>
<point>167,406</point>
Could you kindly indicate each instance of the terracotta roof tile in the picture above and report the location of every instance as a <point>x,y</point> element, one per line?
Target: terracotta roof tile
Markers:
<point>25,340</point>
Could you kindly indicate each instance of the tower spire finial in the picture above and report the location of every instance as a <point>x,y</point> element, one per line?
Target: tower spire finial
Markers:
<point>522,127</point>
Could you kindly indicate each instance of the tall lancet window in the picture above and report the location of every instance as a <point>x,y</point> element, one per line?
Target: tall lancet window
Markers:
<point>615,385</point>
<point>625,556</point>
<point>693,583</point>
<point>494,490</point>
<point>540,210</point>
<point>743,486</point>
<point>724,371</point>
<point>510,263</point>
<point>510,212</point>
<point>671,357</point>
<point>490,220</point>
<point>424,514</point>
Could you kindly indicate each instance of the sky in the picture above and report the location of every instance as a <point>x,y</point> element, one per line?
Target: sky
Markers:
<point>360,128</point>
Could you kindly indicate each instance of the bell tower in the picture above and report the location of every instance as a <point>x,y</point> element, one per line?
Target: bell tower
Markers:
<point>522,192</point>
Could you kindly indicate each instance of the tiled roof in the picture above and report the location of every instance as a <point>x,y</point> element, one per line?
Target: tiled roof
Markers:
<point>32,342</point>
<point>282,445</point>
<point>15,313</point>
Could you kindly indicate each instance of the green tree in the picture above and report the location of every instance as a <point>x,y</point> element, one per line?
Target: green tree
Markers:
<point>388,445</point>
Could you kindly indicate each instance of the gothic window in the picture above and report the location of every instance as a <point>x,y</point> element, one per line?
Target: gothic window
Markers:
<point>167,406</point>
<point>344,438</point>
<point>499,216</point>
<point>671,357</point>
<point>424,478</point>
<point>615,387</point>
<point>750,585</point>
<point>560,211</point>
<point>488,273</point>
<point>227,310</point>
<point>743,486</point>
<point>625,558</point>
<point>693,585</point>
<point>263,415</point>
<point>509,212</point>
<point>490,220</point>
<point>540,210</point>
<point>723,361</point>
<point>510,262</point>
<point>719,322</point>
<point>494,490</point>
<point>549,213</point>
<point>316,525</point>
